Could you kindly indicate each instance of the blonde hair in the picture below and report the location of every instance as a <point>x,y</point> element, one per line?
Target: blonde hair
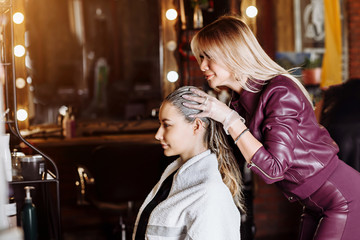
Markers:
<point>216,140</point>
<point>231,40</point>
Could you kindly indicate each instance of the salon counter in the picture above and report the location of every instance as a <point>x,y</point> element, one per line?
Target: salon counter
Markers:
<point>140,138</point>
<point>124,165</point>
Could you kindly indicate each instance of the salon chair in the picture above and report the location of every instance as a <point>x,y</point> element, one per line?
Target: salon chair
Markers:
<point>87,196</point>
<point>117,178</point>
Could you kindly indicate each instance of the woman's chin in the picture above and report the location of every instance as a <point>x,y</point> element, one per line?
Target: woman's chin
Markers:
<point>168,153</point>
<point>212,85</point>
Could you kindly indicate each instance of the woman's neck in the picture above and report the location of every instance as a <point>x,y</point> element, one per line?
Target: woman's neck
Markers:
<point>195,152</point>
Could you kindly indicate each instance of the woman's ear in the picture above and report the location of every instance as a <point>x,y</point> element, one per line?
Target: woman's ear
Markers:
<point>198,125</point>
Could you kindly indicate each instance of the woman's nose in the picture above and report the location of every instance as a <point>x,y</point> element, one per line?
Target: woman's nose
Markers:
<point>204,65</point>
<point>158,135</point>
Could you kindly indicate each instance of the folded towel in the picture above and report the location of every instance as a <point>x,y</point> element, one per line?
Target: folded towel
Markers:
<point>199,205</point>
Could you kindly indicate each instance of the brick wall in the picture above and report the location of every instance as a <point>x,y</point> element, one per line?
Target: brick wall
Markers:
<point>353,30</point>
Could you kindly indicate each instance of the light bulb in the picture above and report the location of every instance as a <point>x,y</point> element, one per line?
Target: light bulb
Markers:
<point>251,11</point>
<point>20,83</point>
<point>171,45</point>
<point>19,50</point>
<point>171,14</point>
<point>63,109</point>
<point>21,114</point>
<point>172,76</point>
<point>29,80</point>
<point>18,17</point>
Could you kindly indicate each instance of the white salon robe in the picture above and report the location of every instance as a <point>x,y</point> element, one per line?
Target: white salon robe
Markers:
<point>199,205</point>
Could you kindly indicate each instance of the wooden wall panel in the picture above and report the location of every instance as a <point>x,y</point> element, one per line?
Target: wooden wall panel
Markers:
<point>284,25</point>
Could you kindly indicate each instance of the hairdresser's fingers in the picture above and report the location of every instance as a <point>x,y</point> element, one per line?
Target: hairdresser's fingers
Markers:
<point>194,106</point>
<point>197,99</point>
<point>200,115</point>
<point>205,110</point>
<point>204,102</point>
<point>199,92</point>
<point>210,106</point>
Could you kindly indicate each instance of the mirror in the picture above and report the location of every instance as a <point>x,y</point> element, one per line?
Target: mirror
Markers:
<point>100,57</point>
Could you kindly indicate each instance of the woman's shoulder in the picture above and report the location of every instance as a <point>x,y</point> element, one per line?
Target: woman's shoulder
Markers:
<point>282,96</point>
<point>201,174</point>
<point>282,81</point>
<point>283,87</point>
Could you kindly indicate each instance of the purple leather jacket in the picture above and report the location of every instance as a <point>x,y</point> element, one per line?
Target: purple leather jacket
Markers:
<point>298,154</point>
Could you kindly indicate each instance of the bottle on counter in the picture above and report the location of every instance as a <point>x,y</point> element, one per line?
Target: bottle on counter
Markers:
<point>65,123</point>
<point>59,122</point>
<point>5,155</point>
<point>69,124</point>
<point>16,165</point>
<point>10,208</point>
<point>28,217</point>
<point>72,126</point>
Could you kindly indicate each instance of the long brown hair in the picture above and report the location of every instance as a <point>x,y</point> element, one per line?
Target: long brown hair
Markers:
<point>216,140</point>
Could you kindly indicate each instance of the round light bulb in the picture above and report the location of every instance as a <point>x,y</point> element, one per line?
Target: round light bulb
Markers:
<point>19,50</point>
<point>171,45</point>
<point>29,80</point>
<point>251,11</point>
<point>98,11</point>
<point>20,83</point>
<point>21,114</point>
<point>63,109</point>
<point>171,14</point>
<point>172,76</point>
<point>18,17</point>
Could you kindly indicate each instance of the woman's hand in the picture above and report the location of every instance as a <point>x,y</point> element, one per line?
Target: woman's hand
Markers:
<point>210,106</point>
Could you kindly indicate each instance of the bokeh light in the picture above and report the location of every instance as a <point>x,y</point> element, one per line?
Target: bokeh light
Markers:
<point>171,14</point>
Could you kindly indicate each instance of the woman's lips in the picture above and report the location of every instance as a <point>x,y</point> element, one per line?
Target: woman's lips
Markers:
<point>209,77</point>
<point>164,146</point>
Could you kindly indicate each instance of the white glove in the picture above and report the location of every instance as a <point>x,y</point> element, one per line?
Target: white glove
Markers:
<point>212,108</point>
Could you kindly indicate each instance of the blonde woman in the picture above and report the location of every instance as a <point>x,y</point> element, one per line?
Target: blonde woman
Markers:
<point>199,194</point>
<point>272,122</point>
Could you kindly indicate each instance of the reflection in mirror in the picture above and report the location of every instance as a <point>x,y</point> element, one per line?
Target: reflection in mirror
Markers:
<point>100,57</point>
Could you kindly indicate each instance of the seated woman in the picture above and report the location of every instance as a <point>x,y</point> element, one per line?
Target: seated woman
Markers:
<point>199,194</point>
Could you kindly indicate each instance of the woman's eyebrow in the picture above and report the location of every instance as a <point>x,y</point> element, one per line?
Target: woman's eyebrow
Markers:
<point>165,120</point>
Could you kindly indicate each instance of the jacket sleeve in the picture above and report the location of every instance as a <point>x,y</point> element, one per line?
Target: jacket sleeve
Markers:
<point>282,107</point>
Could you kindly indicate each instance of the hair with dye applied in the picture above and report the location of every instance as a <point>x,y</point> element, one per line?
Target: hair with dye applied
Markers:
<point>215,139</point>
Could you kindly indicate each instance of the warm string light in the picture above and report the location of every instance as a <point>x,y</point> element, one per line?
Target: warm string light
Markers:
<point>251,11</point>
<point>20,51</point>
<point>171,45</point>
<point>20,83</point>
<point>172,76</point>
<point>29,80</point>
<point>62,110</point>
<point>18,18</point>
<point>22,115</point>
<point>171,14</point>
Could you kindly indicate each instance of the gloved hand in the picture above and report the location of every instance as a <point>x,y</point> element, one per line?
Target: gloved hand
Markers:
<point>212,108</point>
